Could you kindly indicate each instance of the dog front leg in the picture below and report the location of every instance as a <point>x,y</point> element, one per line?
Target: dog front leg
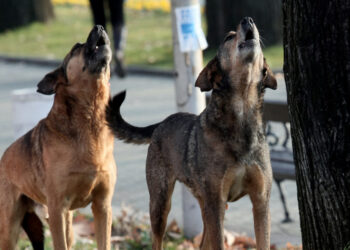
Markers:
<point>57,227</point>
<point>213,218</point>
<point>261,215</point>
<point>102,211</point>
<point>259,190</point>
<point>69,228</point>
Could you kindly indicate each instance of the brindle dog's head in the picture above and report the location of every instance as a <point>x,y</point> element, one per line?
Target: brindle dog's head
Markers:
<point>239,64</point>
<point>84,67</point>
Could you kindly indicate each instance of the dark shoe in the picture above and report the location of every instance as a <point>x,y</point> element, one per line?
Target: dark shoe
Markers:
<point>119,64</point>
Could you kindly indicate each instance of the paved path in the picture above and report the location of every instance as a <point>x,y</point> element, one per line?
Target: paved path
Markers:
<point>149,100</point>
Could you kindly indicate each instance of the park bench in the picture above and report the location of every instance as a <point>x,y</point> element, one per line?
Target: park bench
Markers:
<point>282,162</point>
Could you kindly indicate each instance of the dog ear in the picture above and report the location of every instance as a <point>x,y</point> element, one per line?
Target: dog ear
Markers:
<point>48,84</point>
<point>210,76</point>
<point>269,79</point>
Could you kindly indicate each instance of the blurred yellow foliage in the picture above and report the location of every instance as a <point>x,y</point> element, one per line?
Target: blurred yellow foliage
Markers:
<point>163,5</point>
<point>75,2</point>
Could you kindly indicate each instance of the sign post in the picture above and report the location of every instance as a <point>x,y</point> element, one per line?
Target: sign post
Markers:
<point>188,42</point>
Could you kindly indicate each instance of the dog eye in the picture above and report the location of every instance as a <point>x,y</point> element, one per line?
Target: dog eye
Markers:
<point>229,37</point>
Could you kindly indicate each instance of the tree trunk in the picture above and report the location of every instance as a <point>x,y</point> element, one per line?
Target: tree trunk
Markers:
<point>16,13</point>
<point>215,16</point>
<point>43,10</point>
<point>224,15</point>
<point>317,73</point>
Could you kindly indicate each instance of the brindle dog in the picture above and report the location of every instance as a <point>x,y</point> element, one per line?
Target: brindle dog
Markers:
<point>66,161</point>
<point>220,155</point>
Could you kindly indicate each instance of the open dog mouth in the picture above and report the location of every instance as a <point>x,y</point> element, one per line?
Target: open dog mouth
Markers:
<point>248,40</point>
<point>98,40</point>
<point>249,35</point>
<point>98,53</point>
<point>101,41</point>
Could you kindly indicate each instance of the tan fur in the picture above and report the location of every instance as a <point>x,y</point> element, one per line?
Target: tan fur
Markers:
<point>66,163</point>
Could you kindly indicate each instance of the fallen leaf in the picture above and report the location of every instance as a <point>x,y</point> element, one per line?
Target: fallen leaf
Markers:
<point>186,245</point>
<point>175,236</point>
<point>245,241</point>
<point>173,227</point>
<point>229,238</point>
<point>118,239</point>
<point>197,240</point>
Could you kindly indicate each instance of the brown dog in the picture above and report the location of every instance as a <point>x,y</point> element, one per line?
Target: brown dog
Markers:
<point>66,161</point>
<point>221,155</point>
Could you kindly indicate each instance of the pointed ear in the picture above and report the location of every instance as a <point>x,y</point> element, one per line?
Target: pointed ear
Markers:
<point>269,79</point>
<point>48,84</point>
<point>210,76</point>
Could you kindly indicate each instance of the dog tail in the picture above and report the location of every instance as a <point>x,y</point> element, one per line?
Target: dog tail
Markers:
<point>123,130</point>
<point>34,228</point>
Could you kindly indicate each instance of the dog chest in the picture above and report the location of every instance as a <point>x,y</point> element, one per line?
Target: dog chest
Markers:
<point>82,186</point>
<point>234,183</point>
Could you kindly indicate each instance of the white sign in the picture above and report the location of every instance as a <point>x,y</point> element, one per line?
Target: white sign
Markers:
<point>189,29</point>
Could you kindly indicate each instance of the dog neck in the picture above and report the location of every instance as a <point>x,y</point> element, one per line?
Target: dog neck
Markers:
<point>229,113</point>
<point>85,108</point>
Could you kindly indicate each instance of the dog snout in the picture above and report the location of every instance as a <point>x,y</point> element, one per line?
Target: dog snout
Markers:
<point>97,37</point>
<point>98,28</point>
<point>96,32</point>
<point>247,22</point>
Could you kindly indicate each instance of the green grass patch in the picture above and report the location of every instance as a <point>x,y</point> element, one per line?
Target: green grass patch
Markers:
<point>274,56</point>
<point>52,40</point>
<point>149,38</point>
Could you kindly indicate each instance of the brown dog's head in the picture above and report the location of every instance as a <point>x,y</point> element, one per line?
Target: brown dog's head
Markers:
<point>239,64</point>
<point>86,64</point>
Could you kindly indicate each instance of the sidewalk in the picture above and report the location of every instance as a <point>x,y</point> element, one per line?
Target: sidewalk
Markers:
<point>149,100</point>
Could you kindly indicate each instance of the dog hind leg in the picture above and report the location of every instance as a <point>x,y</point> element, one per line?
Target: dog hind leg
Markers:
<point>34,228</point>
<point>10,229</point>
<point>160,204</point>
<point>204,234</point>
<point>161,186</point>
<point>12,210</point>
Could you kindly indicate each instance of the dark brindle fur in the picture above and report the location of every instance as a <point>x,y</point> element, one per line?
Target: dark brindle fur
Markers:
<point>220,155</point>
<point>66,161</point>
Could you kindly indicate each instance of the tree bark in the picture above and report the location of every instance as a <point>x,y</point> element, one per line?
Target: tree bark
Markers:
<point>317,73</point>
<point>16,13</point>
<point>224,15</point>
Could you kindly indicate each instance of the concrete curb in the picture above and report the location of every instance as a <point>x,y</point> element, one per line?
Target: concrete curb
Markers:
<point>132,70</point>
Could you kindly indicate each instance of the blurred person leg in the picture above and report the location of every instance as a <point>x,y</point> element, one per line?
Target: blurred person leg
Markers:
<point>98,12</point>
<point>119,34</point>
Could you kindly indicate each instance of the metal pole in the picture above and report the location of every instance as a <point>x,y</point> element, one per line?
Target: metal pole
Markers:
<point>188,99</point>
